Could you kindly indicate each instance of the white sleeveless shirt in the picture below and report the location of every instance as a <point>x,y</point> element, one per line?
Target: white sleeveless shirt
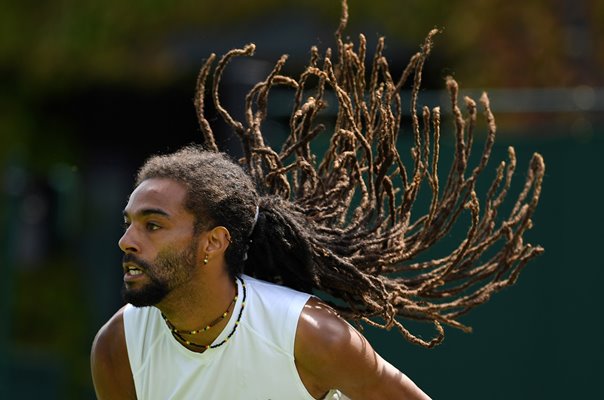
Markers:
<point>256,363</point>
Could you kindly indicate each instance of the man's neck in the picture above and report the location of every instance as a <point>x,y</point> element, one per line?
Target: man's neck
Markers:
<point>199,303</point>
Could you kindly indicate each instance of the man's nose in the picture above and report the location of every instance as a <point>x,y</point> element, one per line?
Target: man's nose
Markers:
<point>128,242</point>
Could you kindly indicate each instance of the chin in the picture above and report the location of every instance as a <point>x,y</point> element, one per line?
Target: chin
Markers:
<point>144,297</point>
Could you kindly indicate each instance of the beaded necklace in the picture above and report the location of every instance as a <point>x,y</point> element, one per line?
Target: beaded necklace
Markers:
<point>177,333</point>
<point>206,328</point>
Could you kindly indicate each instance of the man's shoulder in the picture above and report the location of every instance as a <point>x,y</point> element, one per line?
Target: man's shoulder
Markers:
<point>109,363</point>
<point>324,343</point>
<point>322,327</point>
<point>110,339</point>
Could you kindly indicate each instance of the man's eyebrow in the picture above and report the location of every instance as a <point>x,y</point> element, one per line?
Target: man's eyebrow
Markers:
<point>148,211</point>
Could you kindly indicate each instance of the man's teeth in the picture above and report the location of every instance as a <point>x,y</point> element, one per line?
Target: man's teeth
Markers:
<point>134,271</point>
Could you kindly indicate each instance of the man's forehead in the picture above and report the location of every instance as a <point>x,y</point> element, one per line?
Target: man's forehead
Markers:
<point>157,194</point>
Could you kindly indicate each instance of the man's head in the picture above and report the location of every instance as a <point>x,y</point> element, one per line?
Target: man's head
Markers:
<point>219,193</point>
<point>159,243</point>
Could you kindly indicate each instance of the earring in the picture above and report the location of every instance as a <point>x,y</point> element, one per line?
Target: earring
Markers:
<point>205,260</point>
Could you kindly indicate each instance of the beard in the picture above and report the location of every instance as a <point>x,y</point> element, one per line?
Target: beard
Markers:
<point>169,270</point>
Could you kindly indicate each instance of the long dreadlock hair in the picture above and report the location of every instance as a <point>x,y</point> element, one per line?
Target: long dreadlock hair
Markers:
<point>343,224</point>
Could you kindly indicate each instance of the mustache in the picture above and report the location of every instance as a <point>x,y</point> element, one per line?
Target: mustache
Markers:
<point>130,258</point>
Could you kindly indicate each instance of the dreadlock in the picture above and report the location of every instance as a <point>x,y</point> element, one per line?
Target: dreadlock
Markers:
<point>344,225</point>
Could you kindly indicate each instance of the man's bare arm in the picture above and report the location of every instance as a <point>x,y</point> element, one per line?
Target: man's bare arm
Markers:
<point>331,354</point>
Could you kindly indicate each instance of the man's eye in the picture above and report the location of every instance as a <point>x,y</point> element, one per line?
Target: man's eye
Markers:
<point>125,225</point>
<point>151,226</point>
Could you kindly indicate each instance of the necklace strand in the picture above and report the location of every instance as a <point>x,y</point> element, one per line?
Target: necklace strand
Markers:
<point>204,329</point>
<point>177,334</point>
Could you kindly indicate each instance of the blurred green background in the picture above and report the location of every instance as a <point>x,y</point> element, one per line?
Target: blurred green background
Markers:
<point>90,88</point>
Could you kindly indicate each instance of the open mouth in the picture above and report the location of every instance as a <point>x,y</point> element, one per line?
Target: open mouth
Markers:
<point>132,272</point>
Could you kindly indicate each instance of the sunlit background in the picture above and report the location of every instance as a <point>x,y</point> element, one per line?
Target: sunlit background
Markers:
<point>89,89</point>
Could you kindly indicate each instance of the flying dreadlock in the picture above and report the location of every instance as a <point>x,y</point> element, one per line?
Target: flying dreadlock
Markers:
<point>346,222</point>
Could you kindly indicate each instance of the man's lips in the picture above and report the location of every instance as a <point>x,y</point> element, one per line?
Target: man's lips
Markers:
<point>132,272</point>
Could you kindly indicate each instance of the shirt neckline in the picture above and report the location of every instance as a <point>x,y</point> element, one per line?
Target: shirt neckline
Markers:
<point>209,353</point>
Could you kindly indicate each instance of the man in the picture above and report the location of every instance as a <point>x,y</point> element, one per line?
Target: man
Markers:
<point>199,227</point>
<point>270,343</point>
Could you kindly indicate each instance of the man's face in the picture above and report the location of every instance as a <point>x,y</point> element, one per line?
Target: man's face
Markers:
<point>159,245</point>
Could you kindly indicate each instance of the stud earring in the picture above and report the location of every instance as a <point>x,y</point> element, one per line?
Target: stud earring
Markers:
<point>205,260</point>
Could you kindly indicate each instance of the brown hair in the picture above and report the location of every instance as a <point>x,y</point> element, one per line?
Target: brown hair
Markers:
<point>344,224</point>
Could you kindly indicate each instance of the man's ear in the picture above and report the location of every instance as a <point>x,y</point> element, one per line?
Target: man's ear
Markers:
<point>218,240</point>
